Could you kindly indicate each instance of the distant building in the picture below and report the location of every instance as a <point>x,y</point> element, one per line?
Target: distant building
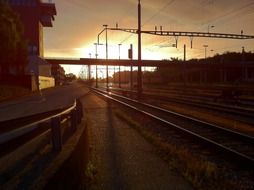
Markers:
<point>35,14</point>
<point>58,73</point>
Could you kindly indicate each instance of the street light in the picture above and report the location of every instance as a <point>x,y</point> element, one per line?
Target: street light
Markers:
<point>96,69</point>
<point>106,28</point>
<point>98,40</point>
<point>96,50</point>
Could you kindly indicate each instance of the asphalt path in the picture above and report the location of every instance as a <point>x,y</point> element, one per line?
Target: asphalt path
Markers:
<point>46,100</point>
<point>121,157</point>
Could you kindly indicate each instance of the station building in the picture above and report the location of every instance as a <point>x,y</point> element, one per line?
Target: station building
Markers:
<point>35,15</point>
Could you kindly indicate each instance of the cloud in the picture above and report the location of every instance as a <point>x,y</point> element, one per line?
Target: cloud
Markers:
<point>79,21</point>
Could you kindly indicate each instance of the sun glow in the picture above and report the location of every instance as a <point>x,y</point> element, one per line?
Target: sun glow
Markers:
<point>149,52</point>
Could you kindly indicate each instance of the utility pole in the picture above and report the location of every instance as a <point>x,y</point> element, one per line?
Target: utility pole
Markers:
<point>243,54</point>
<point>184,52</point>
<point>139,52</point>
<point>131,71</point>
<point>119,46</point>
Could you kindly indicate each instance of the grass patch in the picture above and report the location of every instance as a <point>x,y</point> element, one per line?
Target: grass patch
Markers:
<point>201,173</point>
<point>90,173</point>
<point>10,92</point>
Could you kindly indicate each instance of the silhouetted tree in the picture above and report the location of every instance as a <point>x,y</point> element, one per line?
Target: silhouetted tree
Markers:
<point>13,48</point>
<point>171,74</point>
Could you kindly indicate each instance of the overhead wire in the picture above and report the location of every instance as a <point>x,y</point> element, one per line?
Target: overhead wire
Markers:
<point>232,13</point>
<point>152,17</point>
<point>229,15</point>
<point>158,12</point>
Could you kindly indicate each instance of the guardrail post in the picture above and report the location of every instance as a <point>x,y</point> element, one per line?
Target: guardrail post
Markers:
<point>74,119</point>
<point>56,133</point>
<point>79,110</point>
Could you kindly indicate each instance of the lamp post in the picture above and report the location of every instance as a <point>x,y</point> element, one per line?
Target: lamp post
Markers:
<point>96,50</point>
<point>98,41</point>
<point>106,28</point>
<point>119,48</point>
<point>96,69</point>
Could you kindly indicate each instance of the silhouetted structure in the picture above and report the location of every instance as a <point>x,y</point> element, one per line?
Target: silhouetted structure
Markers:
<point>34,15</point>
<point>58,73</point>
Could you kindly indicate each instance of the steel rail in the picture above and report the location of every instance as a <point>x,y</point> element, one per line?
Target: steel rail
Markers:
<point>247,159</point>
<point>251,138</point>
<point>246,113</point>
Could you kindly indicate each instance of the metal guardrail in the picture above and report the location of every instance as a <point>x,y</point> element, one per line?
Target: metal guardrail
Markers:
<point>75,113</point>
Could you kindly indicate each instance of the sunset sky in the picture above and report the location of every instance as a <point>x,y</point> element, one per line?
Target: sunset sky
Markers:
<point>78,23</point>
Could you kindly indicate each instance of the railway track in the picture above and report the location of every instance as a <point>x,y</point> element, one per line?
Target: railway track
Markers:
<point>236,146</point>
<point>242,114</point>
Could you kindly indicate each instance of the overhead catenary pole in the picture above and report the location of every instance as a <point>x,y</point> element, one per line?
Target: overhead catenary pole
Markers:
<point>119,45</point>
<point>139,52</point>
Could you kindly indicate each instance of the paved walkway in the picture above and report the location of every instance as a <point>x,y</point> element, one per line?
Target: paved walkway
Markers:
<point>123,159</point>
<point>49,99</point>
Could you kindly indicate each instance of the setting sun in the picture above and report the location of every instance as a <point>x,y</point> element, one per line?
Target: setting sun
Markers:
<point>126,94</point>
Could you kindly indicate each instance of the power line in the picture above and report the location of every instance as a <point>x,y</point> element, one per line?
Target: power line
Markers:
<point>125,39</point>
<point>160,10</point>
<point>152,17</point>
<point>230,13</point>
<point>129,10</point>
